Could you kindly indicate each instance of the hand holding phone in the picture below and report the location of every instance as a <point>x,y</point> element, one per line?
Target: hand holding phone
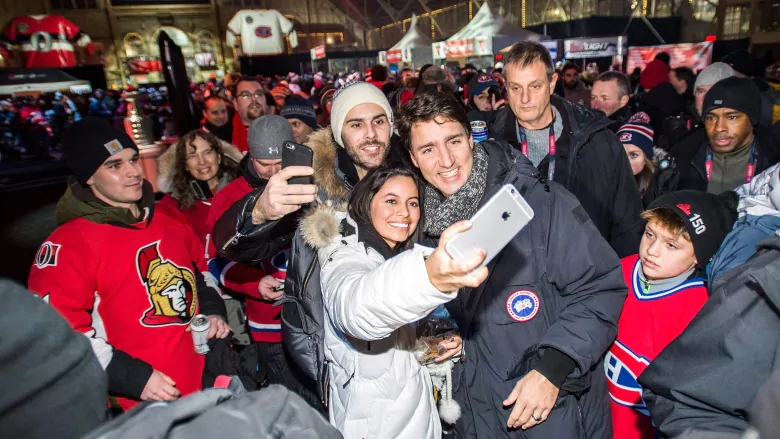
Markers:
<point>448,275</point>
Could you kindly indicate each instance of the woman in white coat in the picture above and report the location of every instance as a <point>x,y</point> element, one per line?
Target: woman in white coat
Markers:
<point>375,283</point>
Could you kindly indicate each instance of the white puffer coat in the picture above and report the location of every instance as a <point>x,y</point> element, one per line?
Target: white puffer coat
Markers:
<point>377,387</point>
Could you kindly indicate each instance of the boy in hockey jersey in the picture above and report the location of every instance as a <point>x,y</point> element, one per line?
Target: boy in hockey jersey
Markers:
<point>666,289</point>
<point>125,272</point>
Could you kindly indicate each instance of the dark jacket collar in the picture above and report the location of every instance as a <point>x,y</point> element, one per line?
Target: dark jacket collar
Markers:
<point>249,173</point>
<point>767,149</point>
<point>619,118</point>
<point>79,202</point>
<point>345,168</point>
<point>368,235</point>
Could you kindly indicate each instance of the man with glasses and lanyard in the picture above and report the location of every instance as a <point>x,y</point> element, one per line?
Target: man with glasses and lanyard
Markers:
<point>249,102</point>
<point>738,147</point>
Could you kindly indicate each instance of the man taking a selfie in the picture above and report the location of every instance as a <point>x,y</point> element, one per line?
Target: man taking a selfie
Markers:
<point>549,308</point>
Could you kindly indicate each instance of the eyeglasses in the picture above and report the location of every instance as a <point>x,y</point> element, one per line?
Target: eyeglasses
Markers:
<point>257,95</point>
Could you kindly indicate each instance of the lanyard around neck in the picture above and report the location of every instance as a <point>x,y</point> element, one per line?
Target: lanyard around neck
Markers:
<point>751,166</point>
<point>551,146</point>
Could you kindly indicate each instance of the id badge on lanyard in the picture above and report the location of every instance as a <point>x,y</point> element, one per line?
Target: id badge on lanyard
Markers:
<point>551,147</point>
<point>750,172</point>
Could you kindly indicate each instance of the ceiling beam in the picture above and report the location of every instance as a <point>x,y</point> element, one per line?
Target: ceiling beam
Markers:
<point>390,13</point>
<point>430,14</point>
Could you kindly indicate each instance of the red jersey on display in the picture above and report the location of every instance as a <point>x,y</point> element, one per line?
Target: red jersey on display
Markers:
<point>648,323</point>
<point>262,316</point>
<point>132,286</point>
<point>46,40</point>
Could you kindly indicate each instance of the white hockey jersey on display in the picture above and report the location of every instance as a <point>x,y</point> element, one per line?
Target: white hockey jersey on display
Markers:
<point>261,31</point>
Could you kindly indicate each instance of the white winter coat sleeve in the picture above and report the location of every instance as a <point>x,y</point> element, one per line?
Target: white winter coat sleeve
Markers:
<point>368,298</point>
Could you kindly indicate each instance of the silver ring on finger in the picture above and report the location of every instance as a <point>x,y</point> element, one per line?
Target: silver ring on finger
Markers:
<point>533,416</point>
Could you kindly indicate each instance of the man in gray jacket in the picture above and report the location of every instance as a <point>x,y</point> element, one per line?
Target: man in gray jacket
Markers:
<point>535,329</point>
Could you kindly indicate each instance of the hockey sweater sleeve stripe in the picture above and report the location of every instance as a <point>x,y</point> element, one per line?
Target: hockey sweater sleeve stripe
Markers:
<point>237,277</point>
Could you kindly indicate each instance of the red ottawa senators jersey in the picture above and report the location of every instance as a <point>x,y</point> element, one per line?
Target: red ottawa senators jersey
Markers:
<point>648,323</point>
<point>133,287</point>
<point>46,40</point>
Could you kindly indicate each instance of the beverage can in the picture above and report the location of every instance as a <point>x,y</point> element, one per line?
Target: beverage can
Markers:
<point>199,325</point>
<point>479,130</point>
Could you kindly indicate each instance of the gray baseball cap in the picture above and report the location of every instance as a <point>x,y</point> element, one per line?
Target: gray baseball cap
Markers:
<point>266,136</point>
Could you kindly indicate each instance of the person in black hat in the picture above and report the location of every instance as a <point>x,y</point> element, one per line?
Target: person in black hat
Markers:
<point>299,112</point>
<point>484,93</point>
<point>738,147</point>
<point>666,289</point>
<point>128,274</point>
<point>745,66</point>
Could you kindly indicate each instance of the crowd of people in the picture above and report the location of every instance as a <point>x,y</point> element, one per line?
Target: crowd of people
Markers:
<point>639,301</point>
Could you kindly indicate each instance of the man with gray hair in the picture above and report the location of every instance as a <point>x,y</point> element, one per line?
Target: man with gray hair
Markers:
<point>611,94</point>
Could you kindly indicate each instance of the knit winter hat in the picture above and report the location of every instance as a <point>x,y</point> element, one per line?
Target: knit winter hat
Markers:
<point>739,94</point>
<point>654,74</point>
<point>267,135</point>
<point>707,218</point>
<point>740,61</point>
<point>90,142</point>
<point>349,97</point>
<point>296,107</point>
<point>480,83</point>
<point>714,73</point>
<point>638,131</point>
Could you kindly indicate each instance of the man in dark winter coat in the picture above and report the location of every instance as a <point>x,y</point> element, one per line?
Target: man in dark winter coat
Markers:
<point>548,310</point>
<point>738,147</point>
<point>585,156</point>
<point>707,379</point>
<point>666,108</point>
<point>611,94</point>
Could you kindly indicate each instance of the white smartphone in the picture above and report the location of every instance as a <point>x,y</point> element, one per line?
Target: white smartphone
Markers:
<point>493,226</point>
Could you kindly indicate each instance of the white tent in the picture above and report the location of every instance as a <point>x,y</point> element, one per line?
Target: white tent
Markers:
<point>414,39</point>
<point>414,47</point>
<point>484,32</point>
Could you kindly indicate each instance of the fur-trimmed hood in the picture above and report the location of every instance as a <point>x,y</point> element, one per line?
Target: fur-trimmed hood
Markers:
<point>324,164</point>
<point>322,224</point>
<point>166,164</point>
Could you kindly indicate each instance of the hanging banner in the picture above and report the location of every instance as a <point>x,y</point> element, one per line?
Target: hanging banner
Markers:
<point>439,50</point>
<point>483,46</point>
<point>394,56</point>
<point>460,48</point>
<point>697,56</point>
<point>318,53</point>
<point>590,48</point>
<point>406,56</point>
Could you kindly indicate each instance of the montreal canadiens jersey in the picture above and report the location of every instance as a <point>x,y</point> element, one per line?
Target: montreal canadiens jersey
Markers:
<point>648,323</point>
<point>133,287</point>
<point>46,40</point>
<point>262,31</point>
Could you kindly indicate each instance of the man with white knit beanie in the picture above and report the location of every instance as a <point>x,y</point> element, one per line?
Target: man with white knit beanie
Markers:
<point>362,121</point>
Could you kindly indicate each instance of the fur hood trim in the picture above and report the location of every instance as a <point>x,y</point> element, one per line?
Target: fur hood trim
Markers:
<point>321,224</point>
<point>324,164</point>
<point>166,164</point>
<point>659,154</point>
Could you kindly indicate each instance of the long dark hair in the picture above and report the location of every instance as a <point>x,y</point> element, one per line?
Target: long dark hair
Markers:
<point>363,193</point>
<point>182,179</point>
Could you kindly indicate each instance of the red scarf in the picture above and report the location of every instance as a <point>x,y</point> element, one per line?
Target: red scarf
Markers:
<point>240,133</point>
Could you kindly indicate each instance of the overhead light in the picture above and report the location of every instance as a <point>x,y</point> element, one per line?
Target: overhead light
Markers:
<point>557,11</point>
<point>329,40</point>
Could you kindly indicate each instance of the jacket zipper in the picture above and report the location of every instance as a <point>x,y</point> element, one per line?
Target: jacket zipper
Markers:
<point>231,241</point>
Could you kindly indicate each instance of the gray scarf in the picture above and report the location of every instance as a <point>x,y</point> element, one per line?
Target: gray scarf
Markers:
<point>441,212</point>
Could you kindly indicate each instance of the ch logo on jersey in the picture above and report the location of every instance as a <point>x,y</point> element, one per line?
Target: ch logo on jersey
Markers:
<point>522,305</point>
<point>625,137</point>
<point>171,289</point>
<point>622,367</point>
<point>263,32</point>
<point>47,255</point>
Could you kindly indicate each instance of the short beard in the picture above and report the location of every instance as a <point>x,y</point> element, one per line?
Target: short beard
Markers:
<point>252,115</point>
<point>354,154</point>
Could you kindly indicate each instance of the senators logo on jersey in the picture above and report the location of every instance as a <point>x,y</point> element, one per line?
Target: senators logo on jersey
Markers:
<point>171,289</point>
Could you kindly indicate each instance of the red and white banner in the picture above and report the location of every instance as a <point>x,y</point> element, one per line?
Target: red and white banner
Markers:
<point>697,56</point>
<point>394,56</point>
<point>318,53</point>
<point>460,48</point>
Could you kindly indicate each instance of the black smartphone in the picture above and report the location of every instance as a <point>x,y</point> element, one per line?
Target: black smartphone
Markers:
<point>295,154</point>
